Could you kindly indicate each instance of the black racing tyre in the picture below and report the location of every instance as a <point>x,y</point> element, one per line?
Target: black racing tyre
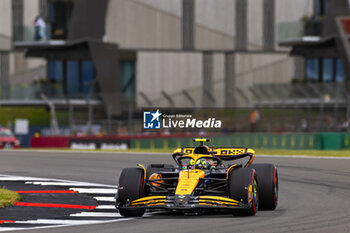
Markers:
<point>267,185</point>
<point>154,168</point>
<point>131,187</point>
<point>239,181</point>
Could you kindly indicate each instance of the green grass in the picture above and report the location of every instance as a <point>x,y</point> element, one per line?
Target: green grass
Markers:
<point>325,153</point>
<point>35,115</point>
<point>8,197</point>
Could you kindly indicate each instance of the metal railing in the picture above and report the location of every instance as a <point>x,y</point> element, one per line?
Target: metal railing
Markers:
<point>298,29</point>
<point>33,92</point>
<point>285,94</point>
<point>27,33</point>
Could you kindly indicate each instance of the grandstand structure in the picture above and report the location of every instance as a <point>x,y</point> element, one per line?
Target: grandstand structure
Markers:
<point>120,55</point>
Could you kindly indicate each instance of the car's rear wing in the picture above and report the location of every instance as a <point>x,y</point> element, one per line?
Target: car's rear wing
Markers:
<point>224,153</point>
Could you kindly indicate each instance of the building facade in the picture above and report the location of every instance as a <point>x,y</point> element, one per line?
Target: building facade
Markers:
<point>147,53</point>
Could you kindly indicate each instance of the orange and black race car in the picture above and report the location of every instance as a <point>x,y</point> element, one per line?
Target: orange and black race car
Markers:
<point>202,180</point>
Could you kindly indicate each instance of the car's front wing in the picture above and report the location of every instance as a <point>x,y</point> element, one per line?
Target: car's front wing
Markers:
<point>184,203</point>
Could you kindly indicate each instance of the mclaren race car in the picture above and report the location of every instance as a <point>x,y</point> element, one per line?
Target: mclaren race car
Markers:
<point>204,179</point>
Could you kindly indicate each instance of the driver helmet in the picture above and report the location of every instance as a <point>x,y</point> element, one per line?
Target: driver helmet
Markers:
<point>202,164</point>
<point>192,162</point>
<point>204,149</point>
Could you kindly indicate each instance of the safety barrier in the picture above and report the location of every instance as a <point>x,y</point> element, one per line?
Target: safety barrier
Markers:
<point>254,140</point>
<point>291,141</point>
<point>104,142</point>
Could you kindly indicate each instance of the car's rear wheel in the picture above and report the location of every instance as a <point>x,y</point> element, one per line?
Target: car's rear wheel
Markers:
<point>243,187</point>
<point>268,185</point>
<point>131,187</point>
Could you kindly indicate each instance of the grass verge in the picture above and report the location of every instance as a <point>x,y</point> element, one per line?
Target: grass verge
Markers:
<point>35,115</point>
<point>8,197</point>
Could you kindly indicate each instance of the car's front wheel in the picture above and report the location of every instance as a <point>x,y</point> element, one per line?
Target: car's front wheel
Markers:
<point>131,187</point>
<point>268,185</point>
<point>243,187</point>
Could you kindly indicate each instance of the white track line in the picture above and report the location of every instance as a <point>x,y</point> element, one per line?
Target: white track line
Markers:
<point>95,190</point>
<point>59,221</point>
<point>52,183</point>
<point>56,223</point>
<point>111,199</point>
<point>96,214</point>
<point>20,178</point>
<point>106,207</point>
<point>58,226</point>
<point>12,228</point>
<point>33,179</point>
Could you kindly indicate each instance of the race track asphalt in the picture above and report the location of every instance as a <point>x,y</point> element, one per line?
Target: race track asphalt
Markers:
<point>313,193</point>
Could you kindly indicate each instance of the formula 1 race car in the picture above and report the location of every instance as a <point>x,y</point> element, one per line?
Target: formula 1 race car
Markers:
<point>201,181</point>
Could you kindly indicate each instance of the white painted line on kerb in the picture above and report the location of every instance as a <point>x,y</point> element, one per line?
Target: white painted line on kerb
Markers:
<point>12,228</point>
<point>59,221</point>
<point>48,183</point>
<point>106,207</point>
<point>111,199</point>
<point>63,225</point>
<point>34,179</point>
<point>19,178</point>
<point>96,214</point>
<point>95,190</point>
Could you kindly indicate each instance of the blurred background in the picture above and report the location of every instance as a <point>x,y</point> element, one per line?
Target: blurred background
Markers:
<point>274,70</point>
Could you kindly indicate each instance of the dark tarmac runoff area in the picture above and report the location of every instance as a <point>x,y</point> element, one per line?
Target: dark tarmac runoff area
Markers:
<point>314,193</point>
